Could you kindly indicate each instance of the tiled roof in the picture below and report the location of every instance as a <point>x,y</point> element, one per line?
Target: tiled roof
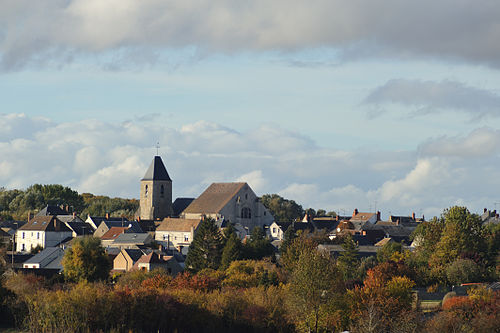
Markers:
<point>175,224</point>
<point>215,197</point>
<point>113,233</point>
<point>156,170</point>
<point>362,216</point>
<point>45,223</point>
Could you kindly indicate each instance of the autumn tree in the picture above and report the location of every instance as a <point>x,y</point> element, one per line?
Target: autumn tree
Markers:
<point>314,283</point>
<point>206,248</point>
<point>86,260</point>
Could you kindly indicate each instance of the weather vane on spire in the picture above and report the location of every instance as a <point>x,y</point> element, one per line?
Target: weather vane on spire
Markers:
<point>157,148</point>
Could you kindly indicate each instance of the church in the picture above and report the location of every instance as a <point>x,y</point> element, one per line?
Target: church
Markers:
<point>225,202</point>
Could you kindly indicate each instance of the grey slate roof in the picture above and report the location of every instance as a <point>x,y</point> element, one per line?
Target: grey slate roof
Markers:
<point>157,171</point>
<point>135,254</point>
<point>133,238</point>
<point>52,210</point>
<point>180,204</point>
<point>133,225</point>
<point>49,258</point>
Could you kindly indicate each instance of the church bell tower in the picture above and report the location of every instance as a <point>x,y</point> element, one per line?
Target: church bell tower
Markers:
<point>156,192</point>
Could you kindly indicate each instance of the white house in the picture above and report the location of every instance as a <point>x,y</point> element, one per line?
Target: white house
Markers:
<point>177,233</point>
<point>44,231</point>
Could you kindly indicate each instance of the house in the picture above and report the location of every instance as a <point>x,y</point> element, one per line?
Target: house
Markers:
<point>490,217</point>
<point>48,258</point>
<point>407,221</point>
<point>233,202</point>
<point>126,259</point>
<point>108,238</point>
<point>359,218</point>
<point>177,233</point>
<point>106,225</point>
<point>44,231</point>
<point>379,231</point>
<point>95,221</point>
<point>277,230</point>
<point>153,260</point>
<point>129,240</point>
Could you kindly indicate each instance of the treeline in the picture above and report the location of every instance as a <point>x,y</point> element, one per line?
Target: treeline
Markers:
<point>286,210</point>
<point>16,204</point>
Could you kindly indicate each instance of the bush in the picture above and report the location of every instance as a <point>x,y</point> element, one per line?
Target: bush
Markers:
<point>463,271</point>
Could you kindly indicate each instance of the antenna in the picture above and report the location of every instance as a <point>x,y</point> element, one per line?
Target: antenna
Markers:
<point>157,148</point>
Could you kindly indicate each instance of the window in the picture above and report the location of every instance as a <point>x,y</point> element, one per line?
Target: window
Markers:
<point>165,237</point>
<point>246,213</point>
<point>246,196</point>
<point>23,247</point>
<point>274,230</point>
<point>37,235</point>
<point>186,237</point>
<point>146,191</point>
<point>162,191</point>
<point>23,235</point>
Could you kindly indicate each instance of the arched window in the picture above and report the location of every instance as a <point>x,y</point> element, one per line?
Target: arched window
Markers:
<point>246,213</point>
<point>162,191</point>
<point>146,191</point>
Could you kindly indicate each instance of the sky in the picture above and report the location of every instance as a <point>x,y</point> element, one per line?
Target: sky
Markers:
<point>389,105</point>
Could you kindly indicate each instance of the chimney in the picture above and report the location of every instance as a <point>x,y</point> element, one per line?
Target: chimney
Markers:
<point>485,210</point>
<point>30,216</point>
<point>337,217</point>
<point>355,212</point>
<point>67,209</point>
<point>378,215</point>
<point>397,221</point>
<point>107,216</point>
<point>74,214</point>
<point>497,215</point>
<point>413,216</point>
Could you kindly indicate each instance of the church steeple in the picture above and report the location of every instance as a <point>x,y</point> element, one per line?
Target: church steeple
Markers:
<point>156,171</point>
<point>156,192</point>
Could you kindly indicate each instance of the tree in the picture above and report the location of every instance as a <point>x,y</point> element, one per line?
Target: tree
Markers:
<point>205,250</point>
<point>387,251</point>
<point>348,259</point>
<point>258,246</point>
<point>289,236</point>
<point>462,235</point>
<point>315,281</point>
<point>232,251</point>
<point>462,271</point>
<point>281,208</point>
<point>86,260</point>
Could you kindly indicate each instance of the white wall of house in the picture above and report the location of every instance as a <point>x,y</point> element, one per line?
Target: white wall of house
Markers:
<point>28,239</point>
<point>175,239</point>
<point>276,232</point>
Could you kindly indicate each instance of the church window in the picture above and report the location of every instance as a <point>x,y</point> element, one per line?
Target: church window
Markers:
<point>162,191</point>
<point>146,191</point>
<point>246,196</point>
<point>246,213</point>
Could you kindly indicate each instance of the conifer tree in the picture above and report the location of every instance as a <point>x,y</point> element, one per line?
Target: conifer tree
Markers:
<point>348,259</point>
<point>289,236</point>
<point>232,250</point>
<point>206,249</point>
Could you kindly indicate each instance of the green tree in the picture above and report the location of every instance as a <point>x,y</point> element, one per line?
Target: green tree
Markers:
<point>348,259</point>
<point>462,235</point>
<point>258,246</point>
<point>289,236</point>
<point>86,260</point>
<point>463,271</point>
<point>290,256</point>
<point>387,251</point>
<point>205,250</point>
<point>281,208</point>
<point>232,250</point>
<point>315,282</point>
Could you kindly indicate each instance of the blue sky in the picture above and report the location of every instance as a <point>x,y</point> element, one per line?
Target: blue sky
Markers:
<point>331,104</point>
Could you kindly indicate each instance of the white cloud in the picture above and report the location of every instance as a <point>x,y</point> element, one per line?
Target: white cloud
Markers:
<point>110,159</point>
<point>56,31</point>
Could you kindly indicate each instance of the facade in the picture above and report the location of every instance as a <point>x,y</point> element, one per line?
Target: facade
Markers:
<point>233,202</point>
<point>126,259</point>
<point>156,192</point>
<point>177,233</point>
<point>44,231</point>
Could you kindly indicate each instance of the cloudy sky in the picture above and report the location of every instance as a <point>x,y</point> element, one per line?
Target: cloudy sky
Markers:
<point>391,105</point>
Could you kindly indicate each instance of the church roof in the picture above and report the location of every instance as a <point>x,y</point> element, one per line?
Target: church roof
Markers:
<point>215,197</point>
<point>157,171</point>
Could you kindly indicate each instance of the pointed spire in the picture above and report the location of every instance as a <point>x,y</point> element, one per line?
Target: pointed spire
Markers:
<point>157,171</point>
